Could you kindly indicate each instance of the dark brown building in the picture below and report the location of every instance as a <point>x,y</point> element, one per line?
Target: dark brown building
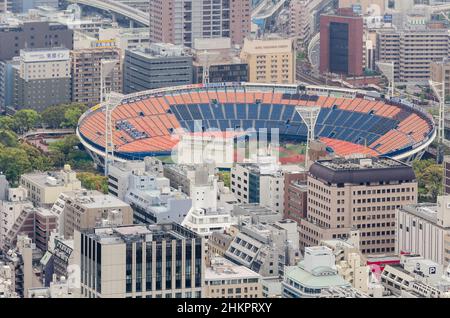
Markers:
<point>446,179</point>
<point>32,35</point>
<point>341,44</point>
<point>295,196</point>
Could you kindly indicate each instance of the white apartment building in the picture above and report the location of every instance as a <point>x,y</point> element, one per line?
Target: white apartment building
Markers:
<point>425,229</point>
<point>206,216</point>
<point>11,209</point>
<point>261,183</point>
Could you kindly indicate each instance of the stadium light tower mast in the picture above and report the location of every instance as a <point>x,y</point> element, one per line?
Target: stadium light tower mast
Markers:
<point>388,68</point>
<point>113,100</point>
<point>309,116</point>
<point>439,90</point>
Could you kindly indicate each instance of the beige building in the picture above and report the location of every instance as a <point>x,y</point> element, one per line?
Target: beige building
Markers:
<point>182,21</point>
<point>88,209</point>
<point>412,51</point>
<point>86,70</point>
<point>141,261</point>
<point>362,194</point>
<point>424,229</point>
<point>270,60</point>
<point>224,279</point>
<point>45,187</point>
<point>301,23</point>
<point>440,72</point>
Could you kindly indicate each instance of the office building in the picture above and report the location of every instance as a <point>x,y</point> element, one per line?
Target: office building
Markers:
<point>440,72</point>
<point>119,174</point>
<point>255,213</point>
<point>12,213</point>
<point>412,51</point>
<point>300,23</point>
<point>88,209</point>
<point>261,182</point>
<point>362,194</point>
<point>154,201</point>
<point>295,196</point>
<point>222,60</point>
<point>160,65</point>
<point>125,38</point>
<point>264,248</point>
<point>316,272</point>
<point>341,44</point>
<point>42,78</point>
<point>33,35</point>
<point>206,215</point>
<point>152,261</point>
<point>224,279</point>
<point>17,267</point>
<point>446,178</point>
<point>416,277</point>
<point>180,22</point>
<point>86,74</point>
<point>183,176</point>
<point>270,60</point>
<point>45,187</point>
<point>424,229</point>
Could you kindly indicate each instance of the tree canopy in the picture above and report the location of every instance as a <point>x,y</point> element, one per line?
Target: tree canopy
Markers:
<point>429,176</point>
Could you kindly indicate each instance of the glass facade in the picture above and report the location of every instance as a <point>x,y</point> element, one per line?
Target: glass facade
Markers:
<point>338,47</point>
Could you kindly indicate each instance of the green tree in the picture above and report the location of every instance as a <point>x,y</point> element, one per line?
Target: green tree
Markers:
<point>225,177</point>
<point>37,160</point>
<point>67,151</point>
<point>8,138</point>
<point>429,177</point>
<point>6,122</point>
<point>24,120</point>
<point>13,163</point>
<point>92,181</point>
<point>72,114</point>
<point>53,116</point>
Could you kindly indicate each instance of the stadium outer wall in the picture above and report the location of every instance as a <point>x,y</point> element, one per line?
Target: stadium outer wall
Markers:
<point>406,154</point>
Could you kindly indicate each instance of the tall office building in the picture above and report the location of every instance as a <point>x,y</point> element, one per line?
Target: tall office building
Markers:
<point>160,65</point>
<point>33,35</point>
<point>424,229</point>
<point>270,60</point>
<point>341,44</point>
<point>344,194</point>
<point>137,261</point>
<point>446,179</point>
<point>41,79</point>
<point>182,21</point>
<point>412,51</point>
<point>86,70</point>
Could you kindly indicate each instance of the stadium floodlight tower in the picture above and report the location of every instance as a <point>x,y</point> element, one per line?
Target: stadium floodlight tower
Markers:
<point>388,68</point>
<point>439,90</point>
<point>113,100</point>
<point>309,116</point>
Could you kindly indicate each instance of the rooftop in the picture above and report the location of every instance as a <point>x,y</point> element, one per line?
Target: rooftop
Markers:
<point>95,199</point>
<point>147,233</point>
<point>322,277</point>
<point>223,269</point>
<point>425,211</point>
<point>362,170</point>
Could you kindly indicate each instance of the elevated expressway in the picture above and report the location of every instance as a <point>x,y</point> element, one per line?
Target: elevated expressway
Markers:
<point>116,7</point>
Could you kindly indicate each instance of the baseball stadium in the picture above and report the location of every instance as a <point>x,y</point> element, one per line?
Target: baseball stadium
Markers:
<point>350,122</point>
